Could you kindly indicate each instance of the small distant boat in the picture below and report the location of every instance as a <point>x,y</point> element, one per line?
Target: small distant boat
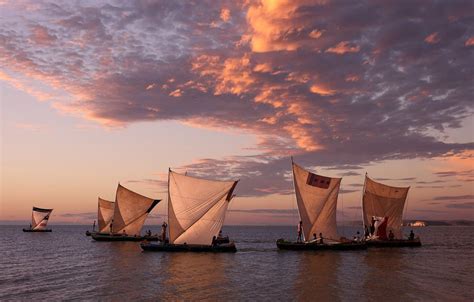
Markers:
<point>130,211</point>
<point>382,207</point>
<point>196,212</point>
<point>39,220</point>
<point>316,197</point>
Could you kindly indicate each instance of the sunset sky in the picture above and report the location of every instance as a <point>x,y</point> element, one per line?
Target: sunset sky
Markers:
<point>99,92</point>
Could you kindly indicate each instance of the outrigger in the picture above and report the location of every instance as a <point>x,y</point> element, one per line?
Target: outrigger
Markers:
<point>316,197</point>
<point>196,212</point>
<point>382,207</point>
<point>39,220</point>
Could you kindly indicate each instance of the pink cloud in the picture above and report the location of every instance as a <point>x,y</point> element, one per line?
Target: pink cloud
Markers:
<point>344,47</point>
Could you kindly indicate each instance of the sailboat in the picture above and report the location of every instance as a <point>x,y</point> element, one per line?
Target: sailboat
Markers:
<point>316,197</point>
<point>382,207</point>
<point>196,212</point>
<point>129,214</point>
<point>39,220</point>
<point>105,213</point>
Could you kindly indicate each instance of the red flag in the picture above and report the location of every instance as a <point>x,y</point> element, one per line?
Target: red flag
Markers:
<point>318,181</point>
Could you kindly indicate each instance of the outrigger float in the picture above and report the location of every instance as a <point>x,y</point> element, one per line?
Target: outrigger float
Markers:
<point>124,219</point>
<point>196,212</point>
<point>316,197</point>
<point>382,207</point>
<point>39,220</point>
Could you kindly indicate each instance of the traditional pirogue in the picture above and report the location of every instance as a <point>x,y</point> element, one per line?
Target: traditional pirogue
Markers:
<point>129,213</point>
<point>196,212</point>
<point>382,208</point>
<point>39,220</point>
<point>316,197</point>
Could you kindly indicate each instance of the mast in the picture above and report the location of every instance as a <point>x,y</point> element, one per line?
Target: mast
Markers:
<point>362,202</point>
<point>294,189</point>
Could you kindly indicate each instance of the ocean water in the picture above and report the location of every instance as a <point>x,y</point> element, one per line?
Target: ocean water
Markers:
<point>67,265</point>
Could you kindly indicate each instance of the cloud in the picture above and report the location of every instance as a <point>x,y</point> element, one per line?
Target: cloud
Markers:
<point>88,215</point>
<point>454,197</point>
<point>433,38</point>
<point>350,173</point>
<point>331,83</point>
<point>464,205</point>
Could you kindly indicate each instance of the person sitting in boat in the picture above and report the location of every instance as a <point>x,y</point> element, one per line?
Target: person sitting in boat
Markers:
<point>300,232</point>
<point>148,233</point>
<point>411,236</point>
<point>220,234</point>
<point>357,237</point>
<point>163,231</point>
<point>366,232</point>
<point>321,238</point>
<point>124,233</point>
<point>391,236</point>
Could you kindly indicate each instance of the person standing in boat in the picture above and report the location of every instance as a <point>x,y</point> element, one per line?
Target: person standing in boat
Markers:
<point>411,236</point>
<point>163,231</point>
<point>321,238</point>
<point>93,227</point>
<point>391,236</point>
<point>372,226</point>
<point>111,224</point>
<point>300,232</point>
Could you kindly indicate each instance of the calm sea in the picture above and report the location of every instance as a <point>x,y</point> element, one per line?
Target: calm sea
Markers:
<point>67,265</point>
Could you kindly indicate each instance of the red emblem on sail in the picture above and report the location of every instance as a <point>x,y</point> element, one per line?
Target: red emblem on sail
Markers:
<point>318,181</point>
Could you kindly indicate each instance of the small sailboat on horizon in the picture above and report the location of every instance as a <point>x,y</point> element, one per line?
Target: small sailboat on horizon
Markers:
<point>39,220</point>
<point>316,197</point>
<point>196,212</point>
<point>382,208</point>
<point>130,211</point>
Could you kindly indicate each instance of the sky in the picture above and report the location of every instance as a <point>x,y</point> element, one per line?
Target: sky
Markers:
<point>94,93</point>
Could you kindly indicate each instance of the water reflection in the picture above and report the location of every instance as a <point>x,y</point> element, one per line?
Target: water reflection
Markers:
<point>317,277</point>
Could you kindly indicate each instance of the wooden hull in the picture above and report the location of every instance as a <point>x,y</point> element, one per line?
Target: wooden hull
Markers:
<point>37,231</point>
<point>301,246</point>
<point>219,248</point>
<point>394,243</point>
<point>108,237</point>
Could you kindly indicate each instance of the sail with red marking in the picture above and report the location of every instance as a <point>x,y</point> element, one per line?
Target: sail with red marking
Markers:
<point>383,208</point>
<point>39,218</point>
<point>316,196</point>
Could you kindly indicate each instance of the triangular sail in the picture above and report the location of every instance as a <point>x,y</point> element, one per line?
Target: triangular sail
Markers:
<point>382,201</point>
<point>196,208</point>
<point>105,213</point>
<point>39,218</point>
<point>130,212</point>
<point>316,196</point>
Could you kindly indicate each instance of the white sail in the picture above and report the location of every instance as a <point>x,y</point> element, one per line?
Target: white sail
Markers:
<point>39,218</point>
<point>316,196</point>
<point>130,212</point>
<point>105,213</point>
<point>196,208</point>
<point>380,200</point>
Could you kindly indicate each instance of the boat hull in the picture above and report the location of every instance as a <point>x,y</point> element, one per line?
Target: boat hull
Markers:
<point>88,233</point>
<point>219,248</point>
<point>108,237</point>
<point>301,246</point>
<point>394,243</point>
<point>37,231</point>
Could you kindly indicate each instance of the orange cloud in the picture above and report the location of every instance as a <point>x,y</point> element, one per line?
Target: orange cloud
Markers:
<point>343,47</point>
<point>176,93</point>
<point>433,38</point>
<point>315,34</point>
<point>321,90</point>
<point>41,35</point>
<point>225,15</point>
